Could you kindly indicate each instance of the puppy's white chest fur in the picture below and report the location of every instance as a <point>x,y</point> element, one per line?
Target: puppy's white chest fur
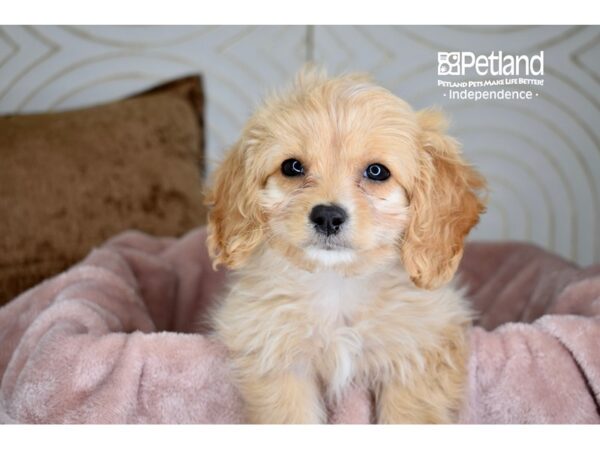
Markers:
<point>335,298</point>
<point>334,310</point>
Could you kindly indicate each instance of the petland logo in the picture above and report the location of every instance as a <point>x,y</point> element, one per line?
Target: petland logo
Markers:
<point>494,64</point>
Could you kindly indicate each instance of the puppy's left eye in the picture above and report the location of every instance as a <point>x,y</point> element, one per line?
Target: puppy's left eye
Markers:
<point>377,172</point>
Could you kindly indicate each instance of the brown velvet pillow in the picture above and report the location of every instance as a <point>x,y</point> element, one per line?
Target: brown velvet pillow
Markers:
<point>70,180</point>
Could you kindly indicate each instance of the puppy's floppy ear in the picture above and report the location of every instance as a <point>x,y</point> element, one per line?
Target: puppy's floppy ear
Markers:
<point>235,219</point>
<point>444,206</point>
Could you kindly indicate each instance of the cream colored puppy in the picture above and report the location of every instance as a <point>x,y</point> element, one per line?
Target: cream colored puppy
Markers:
<point>343,213</point>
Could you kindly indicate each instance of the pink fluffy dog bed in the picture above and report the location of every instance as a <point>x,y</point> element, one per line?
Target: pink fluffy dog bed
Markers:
<point>110,340</point>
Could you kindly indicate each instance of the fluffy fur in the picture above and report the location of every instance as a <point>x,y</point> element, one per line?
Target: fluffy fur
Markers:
<point>307,316</point>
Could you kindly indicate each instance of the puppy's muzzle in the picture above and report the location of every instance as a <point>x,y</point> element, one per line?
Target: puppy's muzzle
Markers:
<point>328,219</point>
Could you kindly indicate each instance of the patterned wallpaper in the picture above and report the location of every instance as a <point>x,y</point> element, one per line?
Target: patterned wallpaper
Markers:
<point>541,157</point>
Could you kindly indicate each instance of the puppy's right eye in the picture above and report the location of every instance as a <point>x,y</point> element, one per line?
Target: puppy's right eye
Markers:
<point>292,168</point>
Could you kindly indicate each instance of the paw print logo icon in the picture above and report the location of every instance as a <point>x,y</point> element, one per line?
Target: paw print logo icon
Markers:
<point>448,63</point>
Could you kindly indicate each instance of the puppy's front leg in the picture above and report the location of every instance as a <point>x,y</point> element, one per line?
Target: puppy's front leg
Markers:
<point>434,396</point>
<point>396,403</point>
<point>282,398</point>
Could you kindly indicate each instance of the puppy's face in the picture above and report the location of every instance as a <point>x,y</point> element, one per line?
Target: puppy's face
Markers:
<point>340,173</point>
<point>339,170</point>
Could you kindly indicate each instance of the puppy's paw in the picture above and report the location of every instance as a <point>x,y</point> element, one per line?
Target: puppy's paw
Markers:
<point>286,414</point>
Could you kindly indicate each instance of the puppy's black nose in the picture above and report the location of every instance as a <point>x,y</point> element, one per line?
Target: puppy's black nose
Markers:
<point>328,219</point>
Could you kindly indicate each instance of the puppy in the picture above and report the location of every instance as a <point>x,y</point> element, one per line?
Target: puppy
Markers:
<point>343,214</point>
